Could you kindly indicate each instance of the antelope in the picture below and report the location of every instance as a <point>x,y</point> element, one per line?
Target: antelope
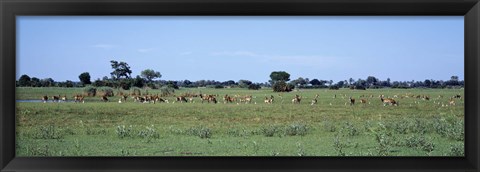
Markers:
<point>363,101</point>
<point>457,96</point>
<point>451,102</point>
<point>45,99</point>
<point>388,101</point>
<point>297,99</point>
<point>64,98</point>
<point>181,99</point>
<point>314,101</point>
<point>56,98</point>
<point>104,98</point>
<point>78,98</point>
<point>248,99</point>
<point>352,101</point>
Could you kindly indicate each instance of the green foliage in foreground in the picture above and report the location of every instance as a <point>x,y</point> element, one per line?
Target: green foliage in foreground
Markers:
<point>331,127</point>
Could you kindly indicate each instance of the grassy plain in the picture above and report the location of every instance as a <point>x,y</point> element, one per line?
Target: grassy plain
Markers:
<point>331,127</point>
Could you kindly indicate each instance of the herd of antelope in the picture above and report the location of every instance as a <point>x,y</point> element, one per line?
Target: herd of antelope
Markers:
<point>249,99</point>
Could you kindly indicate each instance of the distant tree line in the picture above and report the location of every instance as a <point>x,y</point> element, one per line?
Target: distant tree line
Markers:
<point>279,81</point>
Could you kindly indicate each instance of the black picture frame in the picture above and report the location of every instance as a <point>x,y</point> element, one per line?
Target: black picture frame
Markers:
<point>9,9</point>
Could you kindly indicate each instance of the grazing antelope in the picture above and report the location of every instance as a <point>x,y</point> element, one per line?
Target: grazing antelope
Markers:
<point>388,101</point>
<point>352,101</point>
<point>363,101</point>
<point>297,99</point>
<point>45,99</point>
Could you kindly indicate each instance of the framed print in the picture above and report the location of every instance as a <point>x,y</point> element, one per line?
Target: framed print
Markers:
<point>239,85</point>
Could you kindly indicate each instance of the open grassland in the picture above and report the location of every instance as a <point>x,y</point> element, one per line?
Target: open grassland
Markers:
<point>331,127</point>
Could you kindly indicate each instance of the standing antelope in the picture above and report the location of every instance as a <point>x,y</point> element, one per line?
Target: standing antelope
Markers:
<point>314,101</point>
<point>297,99</point>
<point>45,99</point>
<point>56,98</point>
<point>451,102</point>
<point>352,101</point>
<point>363,101</point>
<point>64,98</point>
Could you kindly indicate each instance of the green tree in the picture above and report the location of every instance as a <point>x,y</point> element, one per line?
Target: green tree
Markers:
<point>315,82</point>
<point>24,81</point>
<point>244,83</point>
<point>276,76</point>
<point>120,70</point>
<point>149,75</point>
<point>36,82</point>
<point>138,82</point>
<point>85,78</point>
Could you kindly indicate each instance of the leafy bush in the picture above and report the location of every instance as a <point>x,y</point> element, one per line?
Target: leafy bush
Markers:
<point>282,86</point>
<point>167,91</point>
<point>457,149</point>
<point>90,91</point>
<point>149,133</point>
<point>215,86</point>
<point>271,130</point>
<point>107,91</point>
<point>48,132</point>
<point>123,131</point>
<point>296,129</point>
<point>202,132</point>
<point>254,87</point>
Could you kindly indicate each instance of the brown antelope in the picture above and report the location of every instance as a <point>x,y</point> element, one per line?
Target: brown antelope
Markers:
<point>388,101</point>
<point>104,98</point>
<point>78,98</point>
<point>363,101</point>
<point>45,99</point>
<point>297,99</point>
<point>181,99</point>
<point>56,98</point>
<point>248,99</point>
<point>352,101</point>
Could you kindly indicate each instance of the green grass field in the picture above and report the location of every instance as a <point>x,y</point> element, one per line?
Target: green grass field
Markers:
<point>331,127</point>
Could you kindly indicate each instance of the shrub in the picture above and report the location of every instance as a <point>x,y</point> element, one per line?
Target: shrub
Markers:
<point>107,91</point>
<point>254,87</point>
<point>202,132</point>
<point>149,133</point>
<point>215,86</point>
<point>90,91</point>
<point>167,91</point>
<point>296,129</point>
<point>48,132</point>
<point>282,86</point>
<point>271,130</point>
<point>123,131</point>
<point>350,129</point>
<point>457,149</point>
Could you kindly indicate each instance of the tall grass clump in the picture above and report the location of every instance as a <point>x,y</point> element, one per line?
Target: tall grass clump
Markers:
<point>149,133</point>
<point>201,131</point>
<point>123,131</point>
<point>271,130</point>
<point>105,91</point>
<point>90,91</point>
<point>48,132</point>
<point>296,129</point>
<point>457,150</point>
<point>167,91</point>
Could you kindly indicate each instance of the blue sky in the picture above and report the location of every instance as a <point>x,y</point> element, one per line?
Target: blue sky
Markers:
<point>234,48</point>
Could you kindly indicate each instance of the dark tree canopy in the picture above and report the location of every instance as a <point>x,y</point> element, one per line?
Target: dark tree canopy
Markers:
<point>85,78</point>
<point>315,82</point>
<point>279,76</point>
<point>120,69</point>
<point>150,74</point>
<point>24,81</point>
